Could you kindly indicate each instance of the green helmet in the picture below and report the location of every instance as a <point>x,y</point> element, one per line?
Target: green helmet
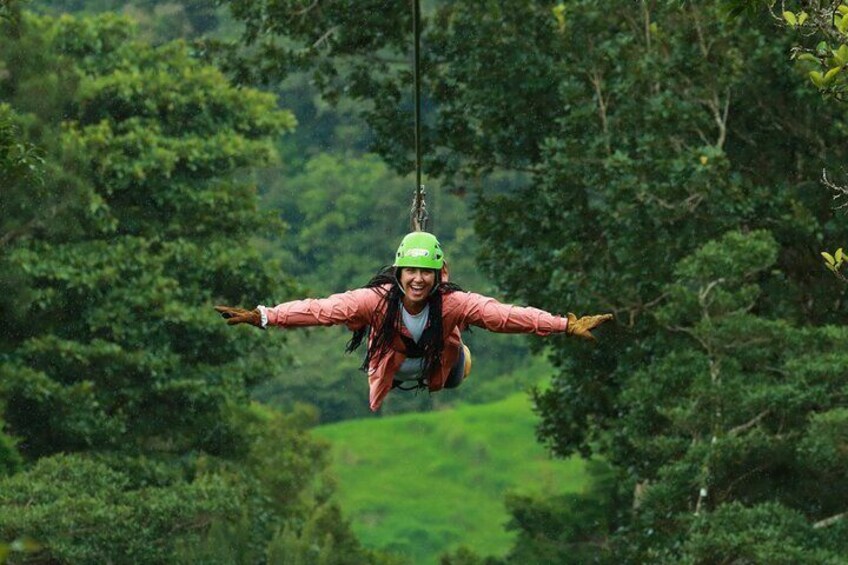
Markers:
<point>420,249</point>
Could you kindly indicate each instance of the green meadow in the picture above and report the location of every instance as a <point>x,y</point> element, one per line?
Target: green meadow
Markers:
<point>425,483</point>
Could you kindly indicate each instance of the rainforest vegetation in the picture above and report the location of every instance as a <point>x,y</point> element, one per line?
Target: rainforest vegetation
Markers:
<point>679,164</point>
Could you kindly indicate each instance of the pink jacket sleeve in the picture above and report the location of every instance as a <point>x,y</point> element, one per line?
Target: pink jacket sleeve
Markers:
<point>485,312</point>
<point>352,308</point>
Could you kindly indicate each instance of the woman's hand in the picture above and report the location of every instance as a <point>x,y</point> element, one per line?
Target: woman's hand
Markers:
<point>582,327</point>
<point>240,315</point>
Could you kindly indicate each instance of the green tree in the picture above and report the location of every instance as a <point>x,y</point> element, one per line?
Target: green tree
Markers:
<point>362,51</point>
<point>724,427</point>
<point>128,398</point>
<point>21,171</point>
<point>285,475</point>
<point>21,168</point>
<point>819,31</point>
<point>156,20</point>
<point>115,329</point>
<point>662,186</point>
<point>666,154</point>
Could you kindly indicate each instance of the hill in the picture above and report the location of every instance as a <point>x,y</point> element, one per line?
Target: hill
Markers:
<point>422,484</point>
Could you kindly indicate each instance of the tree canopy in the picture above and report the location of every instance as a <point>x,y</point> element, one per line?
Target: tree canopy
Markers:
<point>127,399</point>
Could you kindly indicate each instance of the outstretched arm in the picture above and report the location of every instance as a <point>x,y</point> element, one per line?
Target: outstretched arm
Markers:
<point>488,313</point>
<point>352,308</point>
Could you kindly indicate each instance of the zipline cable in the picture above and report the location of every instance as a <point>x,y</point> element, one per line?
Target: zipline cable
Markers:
<point>419,206</point>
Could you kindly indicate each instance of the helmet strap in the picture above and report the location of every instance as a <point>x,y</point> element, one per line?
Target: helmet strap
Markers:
<point>436,283</point>
<point>397,280</point>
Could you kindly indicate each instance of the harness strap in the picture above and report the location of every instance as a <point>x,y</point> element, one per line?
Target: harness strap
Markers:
<point>414,351</point>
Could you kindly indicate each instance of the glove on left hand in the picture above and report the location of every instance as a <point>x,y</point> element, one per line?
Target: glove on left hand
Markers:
<point>240,316</point>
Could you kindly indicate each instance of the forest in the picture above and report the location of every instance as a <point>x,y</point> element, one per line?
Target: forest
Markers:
<point>679,164</point>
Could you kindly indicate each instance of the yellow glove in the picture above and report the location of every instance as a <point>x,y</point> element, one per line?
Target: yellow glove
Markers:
<point>582,327</point>
<point>240,315</point>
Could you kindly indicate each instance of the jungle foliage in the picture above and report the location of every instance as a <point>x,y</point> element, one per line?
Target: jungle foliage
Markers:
<point>659,160</point>
<point>129,203</point>
<point>674,156</point>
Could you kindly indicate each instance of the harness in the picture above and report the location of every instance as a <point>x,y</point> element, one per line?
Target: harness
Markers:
<point>415,351</point>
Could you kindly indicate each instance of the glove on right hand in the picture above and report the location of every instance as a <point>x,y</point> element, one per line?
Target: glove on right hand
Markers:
<point>582,327</point>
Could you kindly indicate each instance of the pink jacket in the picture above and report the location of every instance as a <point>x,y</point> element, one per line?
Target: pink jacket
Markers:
<point>354,308</point>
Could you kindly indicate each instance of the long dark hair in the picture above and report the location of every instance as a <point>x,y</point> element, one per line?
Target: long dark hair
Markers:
<point>386,321</point>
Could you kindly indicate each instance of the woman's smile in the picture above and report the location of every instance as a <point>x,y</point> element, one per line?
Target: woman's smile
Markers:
<point>417,284</point>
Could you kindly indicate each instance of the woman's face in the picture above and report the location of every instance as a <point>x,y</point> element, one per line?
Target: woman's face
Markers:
<point>417,283</point>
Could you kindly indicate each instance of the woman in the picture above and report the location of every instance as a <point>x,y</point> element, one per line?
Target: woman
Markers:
<point>415,317</point>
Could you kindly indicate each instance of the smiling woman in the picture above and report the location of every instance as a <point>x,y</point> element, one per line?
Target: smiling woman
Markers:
<point>414,318</point>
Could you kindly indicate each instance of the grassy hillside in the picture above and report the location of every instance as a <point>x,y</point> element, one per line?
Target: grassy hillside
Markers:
<point>422,484</point>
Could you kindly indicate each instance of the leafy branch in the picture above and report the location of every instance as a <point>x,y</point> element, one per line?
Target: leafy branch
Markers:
<point>830,521</point>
